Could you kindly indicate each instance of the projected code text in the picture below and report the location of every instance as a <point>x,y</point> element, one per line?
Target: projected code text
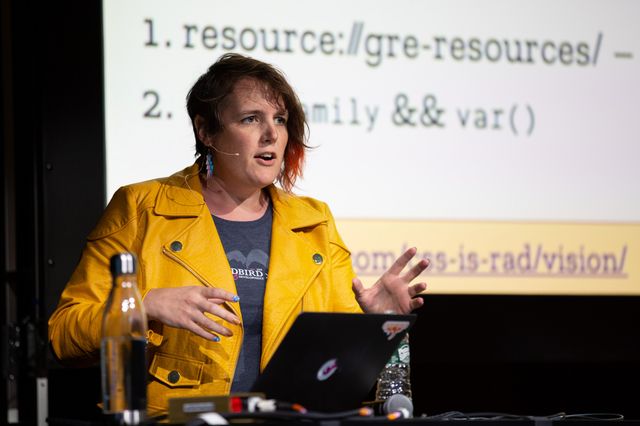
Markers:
<point>530,260</point>
<point>407,110</point>
<point>377,47</point>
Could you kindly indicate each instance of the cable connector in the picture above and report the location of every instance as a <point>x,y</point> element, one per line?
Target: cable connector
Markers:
<point>256,404</point>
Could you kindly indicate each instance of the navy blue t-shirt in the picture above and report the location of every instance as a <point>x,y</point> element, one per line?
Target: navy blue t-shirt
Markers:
<point>247,246</point>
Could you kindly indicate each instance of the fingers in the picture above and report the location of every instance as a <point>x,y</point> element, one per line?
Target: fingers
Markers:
<point>402,261</point>
<point>198,323</point>
<point>195,328</point>
<point>211,326</point>
<point>217,310</point>
<point>188,307</point>
<point>416,303</point>
<point>357,287</point>
<point>199,331</point>
<point>416,289</point>
<point>218,293</point>
<point>416,270</point>
<point>211,301</point>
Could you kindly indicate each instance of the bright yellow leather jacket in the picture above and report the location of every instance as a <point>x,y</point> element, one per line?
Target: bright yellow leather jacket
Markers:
<point>309,270</point>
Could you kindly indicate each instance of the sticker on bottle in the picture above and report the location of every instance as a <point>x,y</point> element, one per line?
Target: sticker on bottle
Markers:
<point>404,354</point>
<point>392,328</point>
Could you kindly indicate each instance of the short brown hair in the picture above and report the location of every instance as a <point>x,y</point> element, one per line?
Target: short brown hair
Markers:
<point>208,93</point>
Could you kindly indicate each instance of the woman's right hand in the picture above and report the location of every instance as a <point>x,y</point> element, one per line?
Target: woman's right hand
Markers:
<point>185,307</point>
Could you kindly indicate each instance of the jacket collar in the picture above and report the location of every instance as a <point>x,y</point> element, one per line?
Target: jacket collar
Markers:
<point>181,195</point>
<point>292,211</point>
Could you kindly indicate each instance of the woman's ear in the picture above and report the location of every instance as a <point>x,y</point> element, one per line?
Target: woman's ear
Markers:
<point>201,128</point>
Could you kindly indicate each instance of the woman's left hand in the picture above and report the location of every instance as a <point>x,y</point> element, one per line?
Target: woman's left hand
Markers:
<point>393,291</point>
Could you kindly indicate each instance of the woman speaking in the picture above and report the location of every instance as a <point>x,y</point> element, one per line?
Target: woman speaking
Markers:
<point>227,258</point>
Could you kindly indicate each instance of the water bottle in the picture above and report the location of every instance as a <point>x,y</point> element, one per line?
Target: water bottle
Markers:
<point>395,378</point>
<point>123,346</point>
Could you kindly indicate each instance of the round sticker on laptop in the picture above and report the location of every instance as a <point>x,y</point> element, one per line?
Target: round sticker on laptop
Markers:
<point>327,369</point>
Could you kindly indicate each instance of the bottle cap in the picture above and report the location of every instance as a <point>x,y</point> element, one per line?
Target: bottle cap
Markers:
<point>123,264</point>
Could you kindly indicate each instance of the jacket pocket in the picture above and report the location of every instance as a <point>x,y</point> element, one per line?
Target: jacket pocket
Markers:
<point>176,371</point>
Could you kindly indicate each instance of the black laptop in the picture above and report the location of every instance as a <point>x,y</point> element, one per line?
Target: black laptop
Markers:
<point>330,361</point>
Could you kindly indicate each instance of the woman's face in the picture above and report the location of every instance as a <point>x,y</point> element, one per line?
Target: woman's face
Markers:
<point>254,127</point>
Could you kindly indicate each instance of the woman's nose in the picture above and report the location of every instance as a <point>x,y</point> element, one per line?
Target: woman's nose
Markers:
<point>270,132</point>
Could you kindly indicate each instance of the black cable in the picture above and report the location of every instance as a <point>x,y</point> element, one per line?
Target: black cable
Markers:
<point>458,415</point>
<point>597,416</point>
<point>292,415</point>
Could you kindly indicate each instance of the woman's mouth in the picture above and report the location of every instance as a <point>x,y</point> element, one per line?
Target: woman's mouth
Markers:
<point>266,158</point>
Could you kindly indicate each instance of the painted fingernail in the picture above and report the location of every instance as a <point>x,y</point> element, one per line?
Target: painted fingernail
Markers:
<point>236,298</point>
<point>215,338</point>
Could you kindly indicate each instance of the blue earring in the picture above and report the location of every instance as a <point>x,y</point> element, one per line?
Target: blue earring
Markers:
<point>209,161</point>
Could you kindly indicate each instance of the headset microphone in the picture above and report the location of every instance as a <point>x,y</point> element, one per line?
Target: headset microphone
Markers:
<point>233,154</point>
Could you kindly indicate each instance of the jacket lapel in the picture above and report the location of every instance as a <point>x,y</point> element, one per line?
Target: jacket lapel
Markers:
<point>195,245</point>
<point>291,267</point>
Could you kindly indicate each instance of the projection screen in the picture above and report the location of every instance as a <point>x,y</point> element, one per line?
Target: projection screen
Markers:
<point>500,138</point>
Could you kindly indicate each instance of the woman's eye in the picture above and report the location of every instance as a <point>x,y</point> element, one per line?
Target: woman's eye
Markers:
<point>281,120</point>
<point>250,119</point>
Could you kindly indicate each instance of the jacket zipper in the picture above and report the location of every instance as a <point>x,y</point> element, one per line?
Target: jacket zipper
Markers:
<point>197,275</point>
<point>204,281</point>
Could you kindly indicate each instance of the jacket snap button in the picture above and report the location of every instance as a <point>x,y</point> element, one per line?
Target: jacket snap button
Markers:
<point>317,258</point>
<point>176,246</point>
<point>173,376</point>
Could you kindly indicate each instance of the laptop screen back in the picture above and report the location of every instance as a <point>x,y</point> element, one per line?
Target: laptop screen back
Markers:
<point>330,361</point>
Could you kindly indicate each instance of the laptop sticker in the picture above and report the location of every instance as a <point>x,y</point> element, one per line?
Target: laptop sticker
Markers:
<point>327,369</point>
<point>392,328</point>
